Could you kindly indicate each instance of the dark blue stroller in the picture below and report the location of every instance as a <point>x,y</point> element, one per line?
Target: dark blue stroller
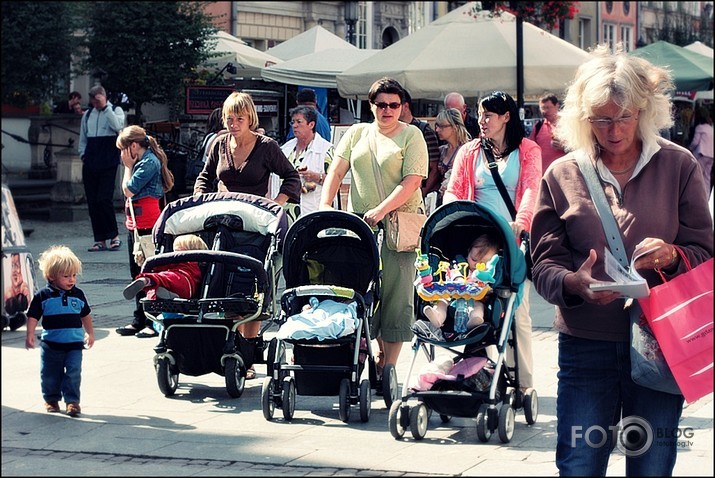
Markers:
<point>490,391</point>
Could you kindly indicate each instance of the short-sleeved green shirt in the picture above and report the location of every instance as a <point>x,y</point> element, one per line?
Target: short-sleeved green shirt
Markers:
<point>403,155</point>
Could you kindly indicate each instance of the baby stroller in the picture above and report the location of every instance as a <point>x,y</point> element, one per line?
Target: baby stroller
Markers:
<point>476,386</point>
<point>239,273</point>
<point>330,257</point>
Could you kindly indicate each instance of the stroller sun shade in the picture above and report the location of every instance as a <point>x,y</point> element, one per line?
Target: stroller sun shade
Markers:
<point>331,248</point>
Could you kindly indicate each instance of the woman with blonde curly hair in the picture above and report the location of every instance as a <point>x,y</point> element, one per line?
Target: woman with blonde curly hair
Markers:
<point>610,121</point>
<point>146,179</point>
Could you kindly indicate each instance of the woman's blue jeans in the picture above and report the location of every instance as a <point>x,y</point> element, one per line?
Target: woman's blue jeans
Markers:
<point>60,374</point>
<point>595,393</point>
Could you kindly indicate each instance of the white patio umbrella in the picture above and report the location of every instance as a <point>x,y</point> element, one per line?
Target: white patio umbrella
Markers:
<point>317,69</point>
<point>700,47</point>
<point>469,53</point>
<point>310,41</point>
<point>247,60</point>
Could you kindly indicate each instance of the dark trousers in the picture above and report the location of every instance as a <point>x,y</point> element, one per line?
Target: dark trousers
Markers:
<point>99,191</point>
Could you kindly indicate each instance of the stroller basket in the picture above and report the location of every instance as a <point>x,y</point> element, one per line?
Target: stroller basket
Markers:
<point>320,377</point>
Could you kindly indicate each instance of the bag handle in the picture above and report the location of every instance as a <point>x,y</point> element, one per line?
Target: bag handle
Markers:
<point>613,233</point>
<point>494,169</point>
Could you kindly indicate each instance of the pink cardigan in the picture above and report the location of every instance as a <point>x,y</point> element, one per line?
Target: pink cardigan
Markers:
<point>461,181</point>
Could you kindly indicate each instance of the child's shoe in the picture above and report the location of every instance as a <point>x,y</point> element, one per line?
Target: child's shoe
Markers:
<point>73,409</point>
<point>52,407</point>
<point>134,287</point>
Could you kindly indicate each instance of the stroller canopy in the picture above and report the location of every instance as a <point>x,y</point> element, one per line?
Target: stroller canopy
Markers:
<point>339,242</point>
<point>452,227</point>
<point>249,212</point>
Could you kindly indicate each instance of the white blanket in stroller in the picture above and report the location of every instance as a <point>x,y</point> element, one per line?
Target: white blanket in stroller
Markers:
<point>329,320</point>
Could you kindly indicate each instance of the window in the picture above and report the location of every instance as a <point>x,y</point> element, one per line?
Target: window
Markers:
<point>627,37</point>
<point>609,7</point>
<point>361,33</point>
<point>626,8</point>
<point>609,35</point>
<point>584,33</point>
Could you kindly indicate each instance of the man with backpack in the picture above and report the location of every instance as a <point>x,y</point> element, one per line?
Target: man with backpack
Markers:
<point>543,132</point>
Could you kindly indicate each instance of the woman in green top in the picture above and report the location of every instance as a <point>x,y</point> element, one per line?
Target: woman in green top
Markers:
<point>401,153</point>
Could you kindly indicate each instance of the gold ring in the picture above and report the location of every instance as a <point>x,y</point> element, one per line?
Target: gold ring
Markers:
<point>656,262</point>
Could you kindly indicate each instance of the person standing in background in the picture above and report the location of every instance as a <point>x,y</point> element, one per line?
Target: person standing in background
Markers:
<point>451,130</point>
<point>702,145</point>
<point>432,182</point>
<point>311,154</point>
<point>98,132</point>
<point>543,132</point>
<point>73,105</point>
<point>307,97</point>
<point>456,100</point>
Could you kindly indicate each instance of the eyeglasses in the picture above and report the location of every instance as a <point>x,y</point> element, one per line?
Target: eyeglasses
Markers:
<point>446,125</point>
<point>605,123</point>
<point>383,106</point>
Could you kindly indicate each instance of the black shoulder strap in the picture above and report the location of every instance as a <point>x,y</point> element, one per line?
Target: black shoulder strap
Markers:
<point>494,169</point>
<point>423,125</point>
<point>537,127</point>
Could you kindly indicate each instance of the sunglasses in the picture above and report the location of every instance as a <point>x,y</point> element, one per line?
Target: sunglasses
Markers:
<point>383,106</point>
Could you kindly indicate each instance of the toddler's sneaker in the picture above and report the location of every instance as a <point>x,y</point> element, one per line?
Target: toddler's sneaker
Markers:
<point>134,287</point>
<point>426,329</point>
<point>52,407</point>
<point>73,409</point>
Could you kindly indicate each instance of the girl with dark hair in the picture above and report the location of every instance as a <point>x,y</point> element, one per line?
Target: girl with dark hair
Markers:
<point>146,179</point>
<point>518,162</point>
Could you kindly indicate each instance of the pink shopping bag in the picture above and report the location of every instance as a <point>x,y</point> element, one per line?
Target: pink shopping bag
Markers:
<point>680,313</point>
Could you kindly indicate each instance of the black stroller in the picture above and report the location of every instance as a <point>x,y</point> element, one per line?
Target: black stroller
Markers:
<point>328,256</point>
<point>484,388</point>
<point>239,276</point>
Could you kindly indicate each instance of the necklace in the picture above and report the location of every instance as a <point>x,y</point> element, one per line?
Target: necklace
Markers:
<point>623,171</point>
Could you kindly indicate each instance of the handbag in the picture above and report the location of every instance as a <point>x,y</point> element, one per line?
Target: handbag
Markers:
<point>493,168</point>
<point>402,228</point>
<point>143,245</point>
<point>680,313</point>
<point>649,367</point>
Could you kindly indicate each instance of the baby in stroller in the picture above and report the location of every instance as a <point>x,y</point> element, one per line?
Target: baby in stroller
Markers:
<point>181,279</point>
<point>481,259</point>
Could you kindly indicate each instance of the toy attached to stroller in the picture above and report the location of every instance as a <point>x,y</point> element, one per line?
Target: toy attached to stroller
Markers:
<point>332,273</point>
<point>199,335</point>
<point>471,384</point>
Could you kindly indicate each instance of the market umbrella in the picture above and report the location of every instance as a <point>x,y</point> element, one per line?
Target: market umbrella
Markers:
<point>310,41</point>
<point>691,71</point>
<point>317,69</point>
<point>472,53</point>
<point>700,47</point>
<point>247,60</point>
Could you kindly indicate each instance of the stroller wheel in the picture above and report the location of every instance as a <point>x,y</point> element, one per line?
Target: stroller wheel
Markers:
<point>394,419</point>
<point>483,431</point>
<point>18,320</point>
<point>167,379</point>
<point>288,398</point>
<point>506,423</point>
<point>365,400</point>
<point>389,385</point>
<point>267,402</point>
<point>531,406</point>
<point>418,421</point>
<point>344,400</point>
<point>235,375</point>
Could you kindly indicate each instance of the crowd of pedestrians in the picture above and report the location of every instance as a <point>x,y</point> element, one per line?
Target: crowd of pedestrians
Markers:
<point>611,116</point>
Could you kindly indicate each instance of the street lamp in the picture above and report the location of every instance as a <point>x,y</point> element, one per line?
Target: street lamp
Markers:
<point>351,18</point>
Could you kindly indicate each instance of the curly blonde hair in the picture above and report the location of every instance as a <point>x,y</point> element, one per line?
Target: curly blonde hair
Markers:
<point>627,80</point>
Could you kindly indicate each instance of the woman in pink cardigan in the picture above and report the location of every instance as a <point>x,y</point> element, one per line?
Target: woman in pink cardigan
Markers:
<point>518,161</point>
